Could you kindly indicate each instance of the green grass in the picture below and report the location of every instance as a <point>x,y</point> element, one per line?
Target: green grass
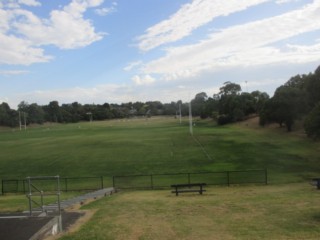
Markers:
<point>288,211</point>
<point>162,145</point>
<point>157,145</point>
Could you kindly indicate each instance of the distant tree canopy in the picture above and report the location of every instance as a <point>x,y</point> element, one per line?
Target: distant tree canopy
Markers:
<point>298,98</point>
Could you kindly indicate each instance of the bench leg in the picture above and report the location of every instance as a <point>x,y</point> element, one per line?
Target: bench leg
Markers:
<point>201,190</point>
<point>177,191</point>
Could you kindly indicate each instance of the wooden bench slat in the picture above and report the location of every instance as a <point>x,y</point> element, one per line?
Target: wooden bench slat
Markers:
<point>185,186</point>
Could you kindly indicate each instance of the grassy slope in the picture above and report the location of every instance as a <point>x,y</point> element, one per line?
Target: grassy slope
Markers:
<point>154,146</point>
<point>162,145</point>
<point>249,212</point>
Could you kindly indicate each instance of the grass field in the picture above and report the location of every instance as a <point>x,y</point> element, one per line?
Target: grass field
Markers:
<point>286,209</point>
<point>156,145</point>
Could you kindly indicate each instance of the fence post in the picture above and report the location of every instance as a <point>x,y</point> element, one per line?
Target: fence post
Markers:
<point>24,186</point>
<point>66,184</point>
<point>228,178</point>
<point>266,176</point>
<point>101,182</point>
<point>151,181</point>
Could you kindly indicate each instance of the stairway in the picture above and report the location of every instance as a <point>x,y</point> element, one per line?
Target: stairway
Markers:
<point>73,201</point>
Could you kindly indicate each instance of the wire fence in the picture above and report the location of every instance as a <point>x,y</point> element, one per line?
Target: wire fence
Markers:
<point>67,184</point>
<point>162,181</point>
<point>146,181</point>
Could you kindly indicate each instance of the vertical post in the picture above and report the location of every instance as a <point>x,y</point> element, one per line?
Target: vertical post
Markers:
<point>266,176</point>
<point>20,120</point>
<point>42,205</point>
<point>29,196</point>
<point>58,194</point>
<point>66,183</point>
<point>190,119</point>
<point>59,204</point>
<point>101,182</point>
<point>151,181</point>
<point>25,121</point>
<point>180,112</point>
<point>228,178</point>
<point>24,186</point>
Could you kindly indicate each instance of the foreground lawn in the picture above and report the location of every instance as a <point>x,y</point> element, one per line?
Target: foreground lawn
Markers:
<point>289,211</point>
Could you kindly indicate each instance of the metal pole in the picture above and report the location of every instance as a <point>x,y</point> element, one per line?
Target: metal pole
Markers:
<point>151,177</point>
<point>101,182</point>
<point>190,119</point>
<point>228,177</point>
<point>25,122</point>
<point>42,206</point>
<point>266,176</point>
<point>20,120</point>
<point>66,184</point>
<point>29,196</point>
<point>180,112</point>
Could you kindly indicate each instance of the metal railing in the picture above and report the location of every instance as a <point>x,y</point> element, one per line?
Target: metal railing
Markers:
<point>161,181</point>
<point>67,184</point>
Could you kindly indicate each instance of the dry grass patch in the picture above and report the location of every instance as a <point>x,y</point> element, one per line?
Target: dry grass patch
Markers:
<point>250,212</point>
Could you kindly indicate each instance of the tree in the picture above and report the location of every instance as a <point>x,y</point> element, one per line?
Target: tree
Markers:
<point>230,88</point>
<point>287,105</point>
<point>198,105</point>
<point>35,114</point>
<point>53,112</point>
<point>8,117</point>
<point>312,123</point>
<point>260,99</point>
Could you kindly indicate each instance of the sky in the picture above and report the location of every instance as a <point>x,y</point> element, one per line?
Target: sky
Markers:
<point>119,51</point>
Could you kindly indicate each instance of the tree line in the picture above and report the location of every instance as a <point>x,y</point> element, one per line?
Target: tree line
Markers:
<point>298,98</point>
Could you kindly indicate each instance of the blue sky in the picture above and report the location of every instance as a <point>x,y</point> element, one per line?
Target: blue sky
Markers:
<point>97,51</point>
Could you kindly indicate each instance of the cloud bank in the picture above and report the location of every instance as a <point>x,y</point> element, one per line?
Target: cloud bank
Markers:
<point>23,34</point>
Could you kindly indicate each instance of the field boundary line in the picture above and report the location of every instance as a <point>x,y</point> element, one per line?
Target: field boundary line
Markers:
<point>202,147</point>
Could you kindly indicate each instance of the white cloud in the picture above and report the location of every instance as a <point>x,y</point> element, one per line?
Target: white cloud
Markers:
<point>19,51</point>
<point>104,11</point>
<point>243,45</point>
<point>286,1</point>
<point>33,3</point>
<point>188,18</point>
<point>12,72</point>
<point>143,80</point>
<point>132,65</point>
<point>23,34</point>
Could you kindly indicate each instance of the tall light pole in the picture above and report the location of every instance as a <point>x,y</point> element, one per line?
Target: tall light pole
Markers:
<point>90,116</point>
<point>190,119</point>
<point>180,112</point>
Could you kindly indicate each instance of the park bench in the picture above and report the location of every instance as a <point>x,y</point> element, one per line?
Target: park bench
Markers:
<point>316,182</point>
<point>190,187</point>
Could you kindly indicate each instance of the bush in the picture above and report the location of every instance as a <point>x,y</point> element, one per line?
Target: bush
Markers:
<point>224,119</point>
